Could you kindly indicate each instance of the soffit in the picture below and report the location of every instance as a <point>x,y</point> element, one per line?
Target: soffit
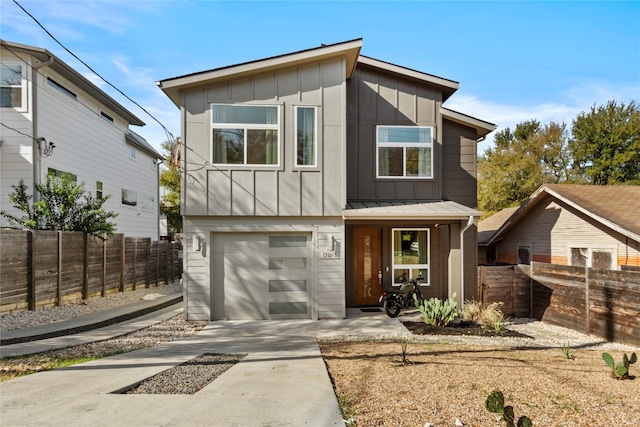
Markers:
<point>448,87</point>
<point>430,210</point>
<point>482,127</point>
<point>349,50</point>
<point>76,78</point>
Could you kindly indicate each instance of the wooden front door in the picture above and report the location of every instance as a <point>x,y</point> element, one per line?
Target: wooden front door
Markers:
<point>368,266</point>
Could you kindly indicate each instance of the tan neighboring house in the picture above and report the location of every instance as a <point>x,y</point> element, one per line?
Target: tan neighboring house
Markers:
<point>566,224</point>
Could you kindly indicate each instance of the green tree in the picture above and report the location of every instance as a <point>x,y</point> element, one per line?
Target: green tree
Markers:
<point>64,205</point>
<point>170,179</point>
<point>605,144</point>
<point>521,161</point>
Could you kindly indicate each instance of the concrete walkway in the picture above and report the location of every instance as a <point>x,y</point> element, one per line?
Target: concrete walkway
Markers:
<point>282,382</point>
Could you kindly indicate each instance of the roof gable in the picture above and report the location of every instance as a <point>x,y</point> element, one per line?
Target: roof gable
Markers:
<point>614,206</point>
<point>75,77</point>
<point>349,49</point>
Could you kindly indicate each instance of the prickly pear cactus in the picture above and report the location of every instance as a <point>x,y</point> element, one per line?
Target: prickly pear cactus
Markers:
<point>495,404</point>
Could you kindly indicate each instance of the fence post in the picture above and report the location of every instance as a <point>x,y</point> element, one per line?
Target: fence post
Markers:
<point>85,268</point>
<point>157,262</point>
<point>59,278</point>
<point>147,268</point>
<point>166,265</point>
<point>587,298</point>
<point>123,249</point>
<point>104,265</point>
<point>31,251</point>
<point>531,289</point>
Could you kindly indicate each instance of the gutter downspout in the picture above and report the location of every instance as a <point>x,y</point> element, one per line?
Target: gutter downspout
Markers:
<point>470,222</point>
<point>34,125</point>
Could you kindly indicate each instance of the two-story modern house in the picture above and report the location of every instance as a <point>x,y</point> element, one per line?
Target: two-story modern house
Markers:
<point>54,121</point>
<point>316,179</point>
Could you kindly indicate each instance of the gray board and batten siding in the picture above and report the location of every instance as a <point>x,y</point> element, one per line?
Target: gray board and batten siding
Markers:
<point>271,191</point>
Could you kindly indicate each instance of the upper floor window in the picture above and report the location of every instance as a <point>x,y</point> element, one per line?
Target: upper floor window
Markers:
<point>404,151</point>
<point>245,134</point>
<point>59,174</point>
<point>306,136</point>
<point>132,153</point>
<point>61,88</point>
<point>12,86</point>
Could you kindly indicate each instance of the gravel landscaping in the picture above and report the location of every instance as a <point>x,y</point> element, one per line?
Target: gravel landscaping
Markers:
<point>440,383</point>
<point>188,377</point>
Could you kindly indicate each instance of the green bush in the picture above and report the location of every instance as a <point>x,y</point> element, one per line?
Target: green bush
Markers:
<point>435,312</point>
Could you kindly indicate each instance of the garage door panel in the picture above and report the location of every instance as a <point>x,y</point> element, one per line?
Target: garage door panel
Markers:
<point>258,276</point>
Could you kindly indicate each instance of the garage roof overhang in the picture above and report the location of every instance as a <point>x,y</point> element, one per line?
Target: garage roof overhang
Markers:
<point>409,210</point>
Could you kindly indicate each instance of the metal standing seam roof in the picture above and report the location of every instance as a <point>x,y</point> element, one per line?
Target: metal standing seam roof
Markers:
<point>408,210</point>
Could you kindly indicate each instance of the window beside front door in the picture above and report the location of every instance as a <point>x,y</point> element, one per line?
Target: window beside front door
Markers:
<point>410,255</point>
<point>404,152</point>
<point>245,135</point>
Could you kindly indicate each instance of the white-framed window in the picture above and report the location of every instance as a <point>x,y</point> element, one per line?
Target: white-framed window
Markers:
<point>147,202</point>
<point>592,257</point>
<point>404,152</point>
<point>129,197</point>
<point>13,86</point>
<point>524,255</point>
<point>98,190</point>
<point>60,174</point>
<point>306,134</point>
<point>245,135</point>
<point>410,248</point>
<point>132,153</point>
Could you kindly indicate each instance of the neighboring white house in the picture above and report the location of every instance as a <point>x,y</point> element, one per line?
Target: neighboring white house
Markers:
<point>54,120</point>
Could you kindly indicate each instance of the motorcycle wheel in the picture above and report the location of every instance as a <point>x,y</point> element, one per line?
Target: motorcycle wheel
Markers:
<point>391,309</point>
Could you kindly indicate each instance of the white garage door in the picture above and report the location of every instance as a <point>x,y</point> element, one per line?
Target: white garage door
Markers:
<point>261,276</point>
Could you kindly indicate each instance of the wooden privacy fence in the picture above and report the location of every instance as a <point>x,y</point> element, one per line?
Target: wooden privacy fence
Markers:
<point>604,303</point>
<point>45,268</point>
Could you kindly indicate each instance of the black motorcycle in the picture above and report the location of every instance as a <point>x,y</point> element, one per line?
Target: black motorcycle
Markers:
<point>394,300</point>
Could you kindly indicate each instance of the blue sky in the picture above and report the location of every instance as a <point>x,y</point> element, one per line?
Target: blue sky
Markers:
<point>515,60</point>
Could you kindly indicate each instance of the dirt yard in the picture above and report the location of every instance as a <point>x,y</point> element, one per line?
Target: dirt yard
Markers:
<point>440,383</point>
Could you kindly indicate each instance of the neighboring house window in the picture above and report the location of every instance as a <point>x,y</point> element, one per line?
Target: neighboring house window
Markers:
<point>147,202</point>
<point>61,88</point>
<point>592,257</point>
<point>524,255</point>
<point>106,117</point>
<point>410,255</point>
<point>306,136</point>
<point>59,174</point>
<point>404,151</point>
<point>129,197</point>
<point>245,134</point>
<point>132,153</point>
<point>12,86</point>
<point>98,190</point>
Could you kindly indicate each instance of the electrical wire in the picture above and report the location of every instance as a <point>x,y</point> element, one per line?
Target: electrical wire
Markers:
<point>168,134</point>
